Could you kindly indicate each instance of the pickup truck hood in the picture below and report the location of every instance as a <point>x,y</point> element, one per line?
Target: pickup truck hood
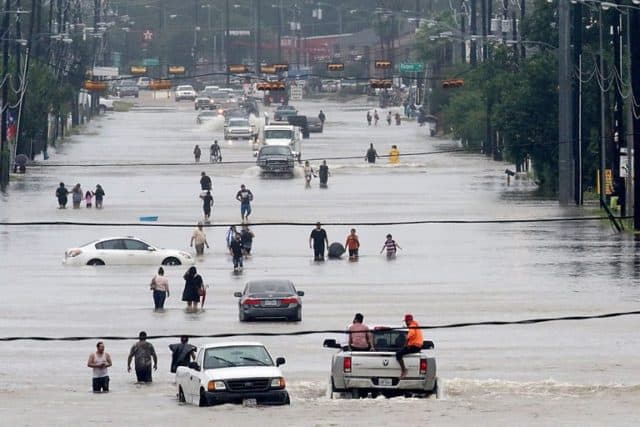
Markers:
<point>241,372</point>
<point>279,141</point>
<point>275,158</point>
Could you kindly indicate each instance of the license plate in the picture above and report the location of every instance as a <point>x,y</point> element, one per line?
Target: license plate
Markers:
<point>249,402</point>
<point>385,382</point>
<point>270,302</point>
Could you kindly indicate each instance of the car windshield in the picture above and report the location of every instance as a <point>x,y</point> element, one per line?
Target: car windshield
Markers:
<point>127,83</point>
<point>278,134</point>
<point>239,122</point>
<point>279,150</point>
<point>241,355</point>
<point>184,88</point>
<point>260,287</point>
<point>389,340</point>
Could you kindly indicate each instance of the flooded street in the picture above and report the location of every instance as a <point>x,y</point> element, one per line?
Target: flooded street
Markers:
<point>562,373</point>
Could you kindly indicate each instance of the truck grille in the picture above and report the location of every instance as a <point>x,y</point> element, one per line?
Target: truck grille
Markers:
<point>250,384</point>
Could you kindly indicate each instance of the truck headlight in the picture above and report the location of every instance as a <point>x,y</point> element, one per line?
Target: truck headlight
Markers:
<point>216,386</point>
<point>278,383</point>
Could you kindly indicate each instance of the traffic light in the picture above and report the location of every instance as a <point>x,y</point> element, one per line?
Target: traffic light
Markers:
<point>383,64</point>
<point>95,86</point>
<point>176,69</point>
<point>380,83</point>
<point>452,83</point>
<point>238,68</point>
<point>271,86</point>
<point>335,67</point>
<point>160,84</point>
<point>281,67</point>
<point>136,70</point>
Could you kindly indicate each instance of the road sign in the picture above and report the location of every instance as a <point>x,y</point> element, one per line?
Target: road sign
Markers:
<point>411,68</point>
<point>105,71</point>
<point>151,62</point>
<point>296,93</point>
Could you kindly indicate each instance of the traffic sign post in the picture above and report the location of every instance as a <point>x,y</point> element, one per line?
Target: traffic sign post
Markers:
<point>411,68</point>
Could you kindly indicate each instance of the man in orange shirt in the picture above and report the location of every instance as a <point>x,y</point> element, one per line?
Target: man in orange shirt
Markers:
<point>413,344</point>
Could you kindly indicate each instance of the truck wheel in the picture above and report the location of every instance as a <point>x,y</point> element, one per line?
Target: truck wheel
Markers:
<point>355,394</point>
<point>203,399</point>
<point>436,390</point>
<point>181,397</point>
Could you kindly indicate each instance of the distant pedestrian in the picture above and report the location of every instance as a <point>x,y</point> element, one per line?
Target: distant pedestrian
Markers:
<point>369,118</point>
<point>376,117</point>
<point>323,173</point>
<point>214,152</point>
<point>182,354</point>
<point>143,353</point>
<point>61,195</point>
<point>322,117</point>
<point>308,174</point>
<point>199,238</point>
<point>391,246</point>
<point>197,153</point>
<point>88,199</point>
<point>394,155</point>
<point>389,118</point>
<point>207,205</point>
<point>352,244</point>
<point>317,241</point>
<point>76,196</point>
<point>245,197</point>
<point>160,287</point>
<point>398,119</point>
<point>231,236</point>
<point>371,155</point>
<point>236,252</point>
<point>205,182</point>
<point>99,362</point>
<point>246,237</point>
<point>193,289</point>
<point>99,193</point>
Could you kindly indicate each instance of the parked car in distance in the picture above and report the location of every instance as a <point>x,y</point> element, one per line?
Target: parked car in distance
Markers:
<point>204,103</point>
<point>232,372</point>
<point>314,125</point>
<point>127,88</point>
<point>206,116</point>
<point>143,83</point>
<point>185,92</point>
<point>269,299</point>
<point>105,104</point>
<point>284,111</point>
<point>124,250</point>
<point>238,128</point>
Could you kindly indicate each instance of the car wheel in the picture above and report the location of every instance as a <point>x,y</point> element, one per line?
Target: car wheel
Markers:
<point>287,400</point>
<point>298,316</point>
<point>436,389</point>
<point>203,399</point>
<point>102,109</point>
<point>95,262</point>
<point>181,397</point>
<point>243,317</point>
<point>171,261</point>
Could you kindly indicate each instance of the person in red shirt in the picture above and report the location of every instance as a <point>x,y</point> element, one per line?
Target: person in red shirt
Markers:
<point>413,344</point>
<point>352,244</point>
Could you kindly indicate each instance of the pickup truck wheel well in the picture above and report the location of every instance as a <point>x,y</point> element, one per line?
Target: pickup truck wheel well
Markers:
<point>203,399</point>
<point>181,397</point>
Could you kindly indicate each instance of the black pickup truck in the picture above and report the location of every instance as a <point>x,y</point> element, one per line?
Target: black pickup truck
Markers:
<point>276,160</point>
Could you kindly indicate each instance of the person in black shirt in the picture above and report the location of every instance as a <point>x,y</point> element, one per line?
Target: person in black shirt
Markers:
<point>236,250</point>
<point>372,154</point>
<point>246,238</point>
<point>99,193</point>
<point>322,117</point>
<point>317,241</point>
<point>61,194</point>
<point>244,196</point>
<point>207,204</point>
<point>323,173</point>
<point>205,182</point>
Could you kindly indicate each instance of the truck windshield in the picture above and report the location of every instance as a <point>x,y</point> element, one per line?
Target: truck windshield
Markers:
<point>242,355</point>
<point>278,134</point>
<point>278,150</point>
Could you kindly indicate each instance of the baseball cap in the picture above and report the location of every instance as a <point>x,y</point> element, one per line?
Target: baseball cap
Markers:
<point>408,317</point>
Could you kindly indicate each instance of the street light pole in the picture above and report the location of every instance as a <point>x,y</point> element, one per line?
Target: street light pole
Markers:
<point>226,39</point>
<point>4,149</point>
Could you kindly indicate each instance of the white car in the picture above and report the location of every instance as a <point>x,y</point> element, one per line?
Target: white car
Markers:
<point>238,128</point>
<point>232,372</point>
<point>124,250</point>
<point>185,92</point>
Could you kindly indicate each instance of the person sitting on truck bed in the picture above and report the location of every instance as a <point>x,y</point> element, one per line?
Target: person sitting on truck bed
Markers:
<point>413,344</point>
<point>360,337</point>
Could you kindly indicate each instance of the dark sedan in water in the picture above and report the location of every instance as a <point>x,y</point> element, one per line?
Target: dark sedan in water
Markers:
<point>270,299</point>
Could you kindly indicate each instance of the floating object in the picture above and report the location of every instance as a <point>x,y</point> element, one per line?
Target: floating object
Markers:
<point>149,218</point>
<point>335,250</point>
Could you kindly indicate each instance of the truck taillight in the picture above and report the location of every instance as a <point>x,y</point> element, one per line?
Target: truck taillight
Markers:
<point>251,301</point>
<point>289,301</point>
<point>423,366</point>
<point>346,364</point>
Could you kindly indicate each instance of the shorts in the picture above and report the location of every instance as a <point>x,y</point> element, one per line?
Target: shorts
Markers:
<point>245,209</point>
<point>143,373</point>
<point>101,384</point>
<point>353,253</point>
<point>199,248</point>
<point>406,350</point>
<point>318,252</point>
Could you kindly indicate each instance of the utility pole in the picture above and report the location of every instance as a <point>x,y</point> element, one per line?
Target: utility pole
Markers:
<point>258,35</point>
<point>634,39</point>
<point>4,149</point>
<point>523,50</point>
<point>577,103</point>
<point>473,55</point>
<point>618,125</point>
<point>463,31</point>
<point>483,12</point>
<point>603,132</point>
<point>280,6</point>
<point>226,40</point>
<point>565,116</point>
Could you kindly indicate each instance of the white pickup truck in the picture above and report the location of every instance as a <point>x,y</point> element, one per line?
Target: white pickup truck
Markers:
<point>235,372</point>
<point>360,373</point>
<point>282,134</point>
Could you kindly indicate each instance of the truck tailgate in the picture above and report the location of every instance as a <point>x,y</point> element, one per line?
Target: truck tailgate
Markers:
<point>383,364</point>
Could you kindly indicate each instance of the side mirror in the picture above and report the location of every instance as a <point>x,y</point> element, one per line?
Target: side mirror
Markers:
<point>194,366</point>
<point>150,249</point>
<point>280,361</point>
<point>427,345</point>
<point>331,343</point>
<point>300,293</point>
<point>237,294</point>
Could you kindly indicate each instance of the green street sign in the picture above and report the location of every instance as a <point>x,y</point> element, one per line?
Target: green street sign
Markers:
<point>151,62</point>
<point>411,68</point>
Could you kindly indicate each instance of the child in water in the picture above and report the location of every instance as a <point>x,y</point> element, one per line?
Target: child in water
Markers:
<point>88,198</point>
<point>391,246</point>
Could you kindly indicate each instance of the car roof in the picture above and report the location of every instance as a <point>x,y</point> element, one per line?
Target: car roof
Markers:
<point>188,86</point>
<point>269,281</point>
<point>231,344</point>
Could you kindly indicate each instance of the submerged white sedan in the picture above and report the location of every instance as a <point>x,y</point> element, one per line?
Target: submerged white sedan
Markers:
<point>122,251</point>
<point>232,372</point>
